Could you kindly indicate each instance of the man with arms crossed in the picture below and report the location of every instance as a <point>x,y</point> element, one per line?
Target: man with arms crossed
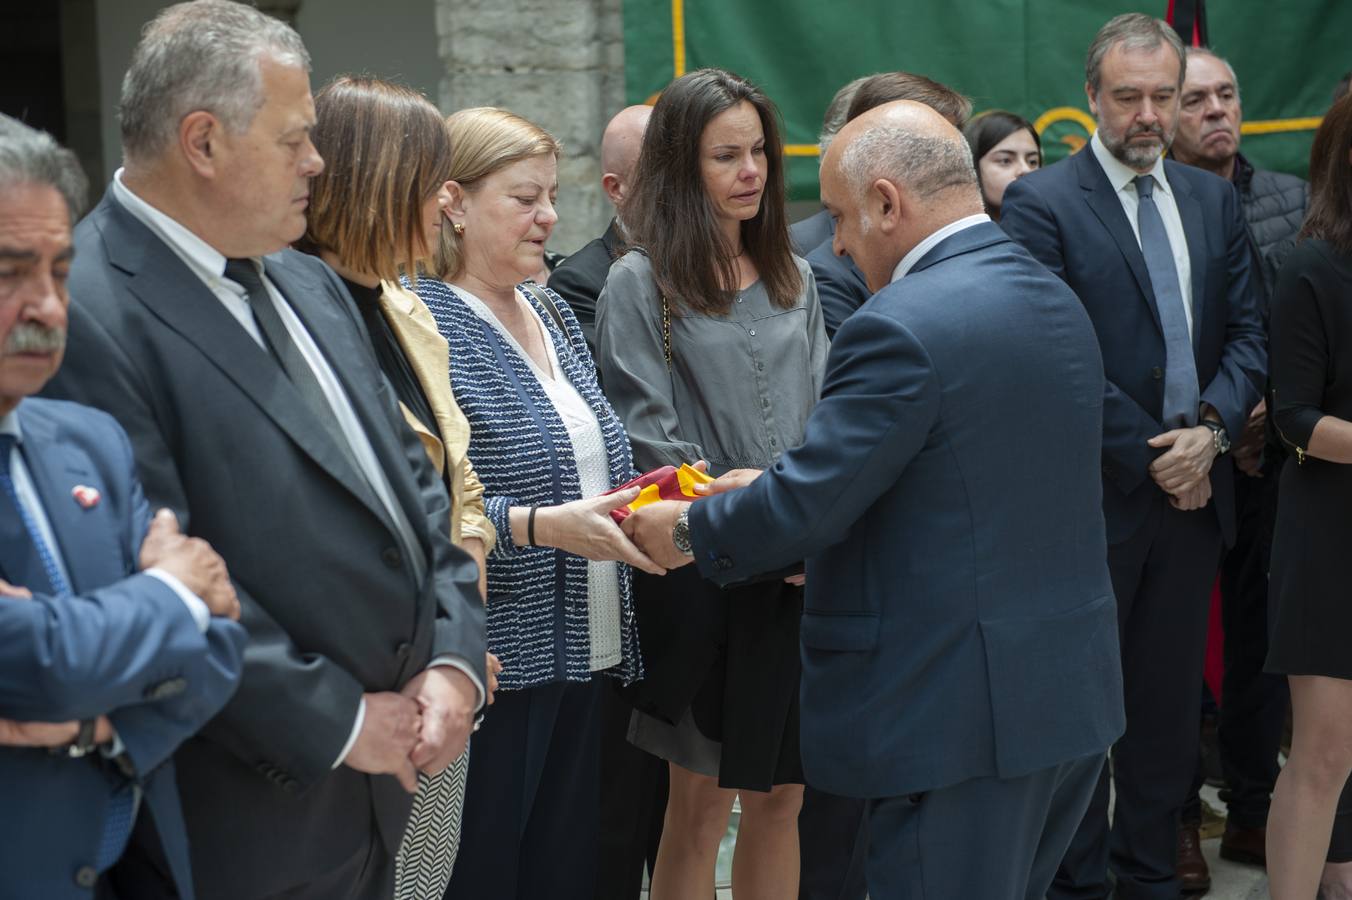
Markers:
<point>115,639</point>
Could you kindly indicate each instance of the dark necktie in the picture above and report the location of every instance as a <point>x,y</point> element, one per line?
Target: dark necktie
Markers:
<point>1181,396</point>
<point>45,555</point>
<point>288,355</point>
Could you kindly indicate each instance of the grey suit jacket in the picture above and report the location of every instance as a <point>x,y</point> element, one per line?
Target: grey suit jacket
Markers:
<point>331,604</point>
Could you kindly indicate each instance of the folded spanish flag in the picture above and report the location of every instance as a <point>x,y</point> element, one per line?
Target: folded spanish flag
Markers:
<point>666,483</point>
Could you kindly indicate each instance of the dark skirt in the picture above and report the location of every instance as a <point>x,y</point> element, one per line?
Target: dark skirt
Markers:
<point>1307,585</point>
<point>729,657</point>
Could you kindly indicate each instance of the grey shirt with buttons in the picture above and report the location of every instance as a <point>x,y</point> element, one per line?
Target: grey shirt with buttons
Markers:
<point>740,386</point>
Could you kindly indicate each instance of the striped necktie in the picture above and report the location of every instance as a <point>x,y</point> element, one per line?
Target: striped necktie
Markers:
<point>46,556</point>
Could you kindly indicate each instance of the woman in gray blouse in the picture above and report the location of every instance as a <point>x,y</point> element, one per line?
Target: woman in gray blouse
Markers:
<point>711,343</point>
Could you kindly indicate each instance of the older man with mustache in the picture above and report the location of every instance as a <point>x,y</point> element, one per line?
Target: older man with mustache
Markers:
<point>1159,256</point>
<point>114,640</point>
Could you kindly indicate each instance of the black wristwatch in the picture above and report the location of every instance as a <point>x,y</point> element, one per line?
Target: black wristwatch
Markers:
<point>84,744</point>
<point>680,534</point>
<point>1220,438</point>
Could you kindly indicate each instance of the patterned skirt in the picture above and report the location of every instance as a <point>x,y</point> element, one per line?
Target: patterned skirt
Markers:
<point>422,868</point>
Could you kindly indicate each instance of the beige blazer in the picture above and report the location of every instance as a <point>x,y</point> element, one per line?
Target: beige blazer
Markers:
<point>430,358</point>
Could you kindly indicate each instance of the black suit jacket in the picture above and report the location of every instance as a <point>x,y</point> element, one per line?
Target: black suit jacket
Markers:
<point>580,278</point>
<point>1070,219</point>
<point>332,608</point>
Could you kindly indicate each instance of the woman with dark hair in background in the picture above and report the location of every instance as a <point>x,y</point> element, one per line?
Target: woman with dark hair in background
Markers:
<point>1005,147</point>
<point>712,347</point>
<point>1310,360</point>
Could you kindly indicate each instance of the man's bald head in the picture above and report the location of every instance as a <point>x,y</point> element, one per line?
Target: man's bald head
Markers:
<point>893,176</point>
<point>620,145</point>
<point>907,143</point>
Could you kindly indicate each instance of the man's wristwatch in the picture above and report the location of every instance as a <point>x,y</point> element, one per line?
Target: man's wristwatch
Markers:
<point>680,534</point>
<point>1220,439</point>
<point>84,743</point>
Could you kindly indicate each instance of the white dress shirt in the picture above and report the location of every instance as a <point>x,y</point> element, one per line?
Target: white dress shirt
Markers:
<point>32,504</point>
<point>919,250</point>
<point>208,264</point>
<point>1123,179</point>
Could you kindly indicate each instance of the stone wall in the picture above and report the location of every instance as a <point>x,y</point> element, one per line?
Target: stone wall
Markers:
<point>559,63</point>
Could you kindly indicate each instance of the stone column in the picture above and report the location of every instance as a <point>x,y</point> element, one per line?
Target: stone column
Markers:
<point>559,63</point>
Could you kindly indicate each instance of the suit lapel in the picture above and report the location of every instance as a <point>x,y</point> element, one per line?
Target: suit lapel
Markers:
<point>335,334</point>
<point>160,280</point>
<point>1194,231</point>
<point>86,538</point>
<point>1107,208</point>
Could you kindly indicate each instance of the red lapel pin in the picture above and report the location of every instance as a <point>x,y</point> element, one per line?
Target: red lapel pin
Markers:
<point>86,496</point>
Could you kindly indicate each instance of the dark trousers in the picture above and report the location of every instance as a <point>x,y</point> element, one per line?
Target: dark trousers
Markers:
<point>532,798</point>
<point>988,838</point>
<point>633,804</point>
<point>833,837</point>
<point>143,874</point>
<point>1253,702</point>
<point>1162,577</point>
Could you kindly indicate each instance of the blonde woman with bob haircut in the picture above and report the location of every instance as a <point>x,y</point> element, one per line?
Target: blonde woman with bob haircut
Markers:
<point>541,435</point>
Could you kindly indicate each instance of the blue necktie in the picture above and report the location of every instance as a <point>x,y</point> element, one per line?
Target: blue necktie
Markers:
<point>122,802</point>
<point>1181,396</point>
<point>56,581</point>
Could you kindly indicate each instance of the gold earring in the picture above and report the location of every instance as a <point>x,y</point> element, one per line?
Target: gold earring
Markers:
<point>459,228</point>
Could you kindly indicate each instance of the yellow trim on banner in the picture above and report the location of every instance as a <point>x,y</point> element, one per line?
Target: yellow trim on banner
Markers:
<point>678,36</point>
<point>1058,114</point>
<point>1276,126</point>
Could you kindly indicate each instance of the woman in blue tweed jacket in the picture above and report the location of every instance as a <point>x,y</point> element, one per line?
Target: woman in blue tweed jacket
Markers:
<point>541,436</point>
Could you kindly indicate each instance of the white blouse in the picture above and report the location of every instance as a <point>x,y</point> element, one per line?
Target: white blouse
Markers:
<point>593,470</point>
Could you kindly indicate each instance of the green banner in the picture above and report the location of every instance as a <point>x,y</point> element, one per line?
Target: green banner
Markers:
<point>1022,55</point>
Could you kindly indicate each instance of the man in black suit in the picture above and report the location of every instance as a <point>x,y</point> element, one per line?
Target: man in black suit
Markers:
<point>580,277</point>
<point>1158,254</point>
<point>257,412</point>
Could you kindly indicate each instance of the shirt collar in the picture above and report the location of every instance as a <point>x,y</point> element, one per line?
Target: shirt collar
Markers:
<point>1120,174</point>
<point>206,261</point>
<point>919,250</point>
<point>9,424</point>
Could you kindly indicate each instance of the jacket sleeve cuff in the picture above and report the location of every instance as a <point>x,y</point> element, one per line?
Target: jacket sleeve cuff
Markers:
<point>496,510</point>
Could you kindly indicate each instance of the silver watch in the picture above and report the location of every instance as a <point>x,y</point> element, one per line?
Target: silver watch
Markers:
<point>680,535</point>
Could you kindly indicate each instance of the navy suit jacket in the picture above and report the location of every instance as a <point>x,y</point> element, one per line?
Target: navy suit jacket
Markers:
<point>1070,219</point>
<point>124,646</point>
<point>959,619</point>
<point>840,285</point>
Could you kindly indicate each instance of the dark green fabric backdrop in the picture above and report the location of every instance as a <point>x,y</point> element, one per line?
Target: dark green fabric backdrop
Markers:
<point>1022,55</point>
